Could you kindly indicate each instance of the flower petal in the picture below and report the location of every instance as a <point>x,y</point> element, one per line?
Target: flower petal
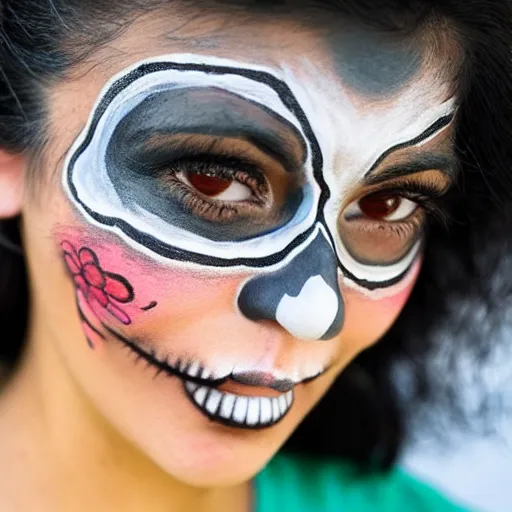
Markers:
<point>86,255</point>
<point>68,247</point>
<point>119,314</point>
<point>118,288</point>
<point>71,263</point>
<point>69,250</point>
<point>99,295</point>
<point>93,275</point>
<point>81,284</point>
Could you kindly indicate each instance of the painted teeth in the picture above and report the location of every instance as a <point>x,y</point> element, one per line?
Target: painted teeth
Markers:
<point>237,410</point>
<point>205,374</point>
<point>197,371</point>
<point>193,369</point>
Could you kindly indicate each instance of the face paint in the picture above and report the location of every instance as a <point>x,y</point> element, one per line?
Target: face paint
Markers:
<point>204,165</point>
<point>201,121</point>
<point>303,297</point>
<point>373,64</point>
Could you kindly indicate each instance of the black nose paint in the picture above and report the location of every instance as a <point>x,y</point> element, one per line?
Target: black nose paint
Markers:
<point>303,296</point>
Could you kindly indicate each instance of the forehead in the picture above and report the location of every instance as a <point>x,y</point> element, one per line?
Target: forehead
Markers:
<point>341,61</point>
<point>296,73</point>
<point>360,84</point>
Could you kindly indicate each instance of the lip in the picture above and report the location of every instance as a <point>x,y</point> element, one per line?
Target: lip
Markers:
<point>200,385</point>
<point>194,371</point>
<point>248,412</point>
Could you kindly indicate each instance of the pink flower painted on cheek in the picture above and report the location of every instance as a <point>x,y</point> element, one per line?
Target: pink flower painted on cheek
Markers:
<point>96,285</point>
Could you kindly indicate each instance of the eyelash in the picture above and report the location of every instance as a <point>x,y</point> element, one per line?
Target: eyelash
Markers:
<point>221,166</point>
<point>428,196</point>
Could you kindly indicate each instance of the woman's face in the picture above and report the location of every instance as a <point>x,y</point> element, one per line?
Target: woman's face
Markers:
<point>232,211</point>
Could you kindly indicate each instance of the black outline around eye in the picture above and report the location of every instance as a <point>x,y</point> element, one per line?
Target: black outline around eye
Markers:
<point>287,98</point>
<point>289,101</point>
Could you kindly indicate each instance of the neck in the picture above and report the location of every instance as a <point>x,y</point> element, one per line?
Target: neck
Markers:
<point>76,460</point>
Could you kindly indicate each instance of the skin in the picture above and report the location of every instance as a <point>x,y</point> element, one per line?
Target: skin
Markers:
<point>117,437</point>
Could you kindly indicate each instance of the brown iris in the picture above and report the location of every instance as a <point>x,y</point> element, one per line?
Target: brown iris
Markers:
<point>379,206</point>
<point>210,186</point>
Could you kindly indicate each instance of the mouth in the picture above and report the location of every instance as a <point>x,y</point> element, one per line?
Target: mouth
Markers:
<point>241,411</point>
<point>245,410</point>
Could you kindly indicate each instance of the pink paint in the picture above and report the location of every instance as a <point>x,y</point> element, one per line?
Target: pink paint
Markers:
<point>96,285</point>
<point>193,313</point>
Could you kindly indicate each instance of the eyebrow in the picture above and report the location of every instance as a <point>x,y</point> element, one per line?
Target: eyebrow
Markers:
<point>446,163</point>
<point>422,162</point>
<point>214,112</point>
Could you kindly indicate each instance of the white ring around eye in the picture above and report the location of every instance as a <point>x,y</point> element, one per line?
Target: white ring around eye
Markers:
<point>235,192</point>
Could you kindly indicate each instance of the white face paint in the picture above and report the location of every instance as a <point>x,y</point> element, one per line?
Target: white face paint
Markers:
<point>107,196</point>
<point>309,315</point>
<point>363,139</point>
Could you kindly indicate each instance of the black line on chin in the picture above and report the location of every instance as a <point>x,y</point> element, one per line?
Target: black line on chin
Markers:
<point>86,321</point>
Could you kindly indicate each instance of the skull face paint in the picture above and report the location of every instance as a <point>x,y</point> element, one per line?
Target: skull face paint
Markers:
<point>213,167</point>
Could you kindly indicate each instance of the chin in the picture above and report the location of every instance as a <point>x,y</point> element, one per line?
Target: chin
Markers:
<point>214,455</point>
<point>170,430</point>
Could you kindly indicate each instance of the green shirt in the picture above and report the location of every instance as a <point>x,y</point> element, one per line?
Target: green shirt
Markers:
<point>299,484</point>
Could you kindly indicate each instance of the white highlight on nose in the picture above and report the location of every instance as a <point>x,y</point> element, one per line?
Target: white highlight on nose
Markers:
<point>309,315</point>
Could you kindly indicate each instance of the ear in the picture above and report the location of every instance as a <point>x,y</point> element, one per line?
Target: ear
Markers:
<point>12,177</point>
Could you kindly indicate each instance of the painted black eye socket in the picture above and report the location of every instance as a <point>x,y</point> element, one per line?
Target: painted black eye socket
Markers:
<point>163,99</point>
<point>228,172</point>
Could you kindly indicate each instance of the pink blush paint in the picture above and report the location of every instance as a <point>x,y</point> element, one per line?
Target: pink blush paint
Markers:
<point>122,290</point>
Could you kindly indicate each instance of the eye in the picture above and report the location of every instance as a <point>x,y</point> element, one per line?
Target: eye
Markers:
<point>382,206</point>
<point>381,228</point>
<point>224,197</point>
<point>216,187</point>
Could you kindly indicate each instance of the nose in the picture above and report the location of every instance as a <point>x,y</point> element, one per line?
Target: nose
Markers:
<point>303,297</point>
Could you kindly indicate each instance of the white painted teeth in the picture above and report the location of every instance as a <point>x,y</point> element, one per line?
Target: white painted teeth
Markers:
<point>245,411</point>
<point>193,369</point>
<point>266,410</point>
<point>240,411</point>
<point>227,405</point>
<point>205,374</point>
<point>214,398</point>
<point>275,410</point>
<point>197,371</point>
<point>200,395</point>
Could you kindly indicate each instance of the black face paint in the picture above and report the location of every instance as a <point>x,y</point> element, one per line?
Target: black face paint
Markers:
<point>115,162</point>
<point>374,64</point>
<point>262,297</point>
<point>138,171</point>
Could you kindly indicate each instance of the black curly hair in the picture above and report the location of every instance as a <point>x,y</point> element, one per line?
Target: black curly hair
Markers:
<point>362,417</point>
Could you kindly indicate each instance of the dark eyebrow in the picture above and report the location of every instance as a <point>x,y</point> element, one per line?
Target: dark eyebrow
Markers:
<point>435,127</point>
<point>212,112</point>
<point>446,163</point>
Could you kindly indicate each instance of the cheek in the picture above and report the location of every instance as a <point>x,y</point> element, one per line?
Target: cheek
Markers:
<point>369,316</point>
<point>160,305</point>
<point>122,290</point>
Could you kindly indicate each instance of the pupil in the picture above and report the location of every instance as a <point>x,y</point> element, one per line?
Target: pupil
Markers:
<point>379,206</point>
<point>208,185</point>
